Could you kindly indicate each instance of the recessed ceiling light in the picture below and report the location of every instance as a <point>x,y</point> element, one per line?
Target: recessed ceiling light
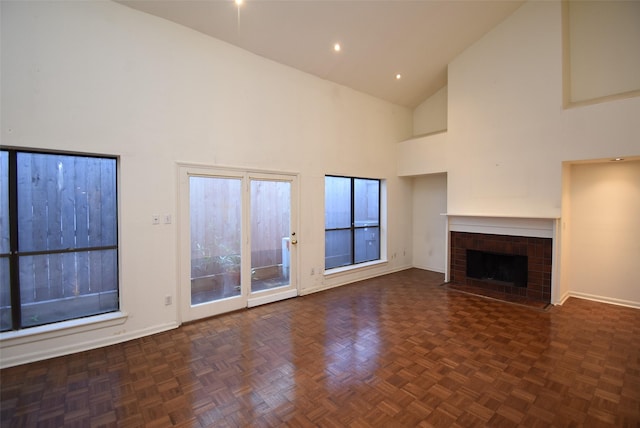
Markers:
<point>239,2</point>
<point>337,47</point>
<point>398,76</point>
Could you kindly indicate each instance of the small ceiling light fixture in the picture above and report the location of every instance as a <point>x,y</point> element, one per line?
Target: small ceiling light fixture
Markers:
<point>398,76</point>
<point>617,159</point>
<point>337,47</point>
<point>239,2</point>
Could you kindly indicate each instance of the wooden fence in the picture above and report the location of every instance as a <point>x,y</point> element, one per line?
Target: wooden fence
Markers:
<point>216,218</point>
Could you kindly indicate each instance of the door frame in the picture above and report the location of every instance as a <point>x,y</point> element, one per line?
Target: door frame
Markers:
<point>188,312</point>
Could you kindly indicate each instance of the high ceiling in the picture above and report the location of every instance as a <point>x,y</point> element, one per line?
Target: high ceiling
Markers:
<point>379,38</point>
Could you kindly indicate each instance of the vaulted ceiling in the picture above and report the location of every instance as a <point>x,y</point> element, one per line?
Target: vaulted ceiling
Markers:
<point>379,39</point>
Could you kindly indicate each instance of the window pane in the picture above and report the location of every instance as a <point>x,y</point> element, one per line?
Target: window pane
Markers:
<point>4,202</point>
<point>337,250</point>
<point>270,224</point>
<point>367,242</point>
<point>216,217</point>
<point>5,295</point>
<point>58,287</point>
<point>337,202</point>
<point>66,202</point>
<point>366,202</point>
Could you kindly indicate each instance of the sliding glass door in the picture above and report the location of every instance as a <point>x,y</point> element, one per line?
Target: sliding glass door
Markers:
<point>241,245</point>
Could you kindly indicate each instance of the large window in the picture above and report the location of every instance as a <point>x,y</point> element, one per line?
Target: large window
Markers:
<point>352,221</point>
<point>58,238</point>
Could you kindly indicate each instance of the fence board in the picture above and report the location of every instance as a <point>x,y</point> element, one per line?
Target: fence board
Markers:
<point>82,273</point>
<point>39,203</point>
<point>108,200</point>
<point>27,280</point>
<point>25,205</point>
<point>69,276</point>
<point>41,278</point>
<point>81,199</point>
<point>54,280</point>
<point>94,202</point>
<point>108,272</point>
<point>52,179</point>
<point>95,268</point>
<point>67,203</point>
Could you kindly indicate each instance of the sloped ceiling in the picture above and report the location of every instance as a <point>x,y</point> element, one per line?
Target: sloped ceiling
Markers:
<point>379,39</point>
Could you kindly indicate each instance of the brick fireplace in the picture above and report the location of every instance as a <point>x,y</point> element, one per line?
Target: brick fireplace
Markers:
<point>538,253</point>
<point>526,242</point>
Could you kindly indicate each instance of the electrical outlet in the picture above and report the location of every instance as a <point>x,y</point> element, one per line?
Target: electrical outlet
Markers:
<point>167,300</point>
<point>167,218</point>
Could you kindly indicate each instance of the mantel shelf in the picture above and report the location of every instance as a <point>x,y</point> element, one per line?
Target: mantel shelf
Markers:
<point>501,216</point>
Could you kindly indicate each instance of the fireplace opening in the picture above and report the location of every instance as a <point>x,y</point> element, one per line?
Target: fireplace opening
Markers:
<point>487,266</point>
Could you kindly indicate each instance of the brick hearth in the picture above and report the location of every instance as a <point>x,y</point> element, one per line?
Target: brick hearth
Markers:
<point>537,250</point>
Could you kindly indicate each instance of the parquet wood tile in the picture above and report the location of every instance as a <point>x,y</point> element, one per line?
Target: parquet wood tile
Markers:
<point>395,351</point>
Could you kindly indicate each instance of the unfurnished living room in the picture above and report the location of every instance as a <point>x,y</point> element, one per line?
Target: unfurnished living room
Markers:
<point>319,213</point>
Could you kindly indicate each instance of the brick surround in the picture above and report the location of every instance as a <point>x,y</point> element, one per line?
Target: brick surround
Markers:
<point>537,250</point>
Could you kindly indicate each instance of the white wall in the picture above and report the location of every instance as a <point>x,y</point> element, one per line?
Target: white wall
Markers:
<point>100,77</point>
<point>429,225</point>
<point>604,249</point>
<point>604,38</point>
<point>508,134</point>
<point>431,115</point>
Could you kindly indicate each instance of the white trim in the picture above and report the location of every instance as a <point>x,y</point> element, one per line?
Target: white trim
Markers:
<point>270,298</point>
<point>233,170</point>
<point>604,299</point>
<point>352,268</point>
<point>563,298</point>
<point>437,269</point>
<point>539,227</point>
<point>375,274</point>
<point>48,353</point>
<point>25,336</point>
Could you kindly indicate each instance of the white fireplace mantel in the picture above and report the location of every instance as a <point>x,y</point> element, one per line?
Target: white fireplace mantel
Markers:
<point>537,227</point>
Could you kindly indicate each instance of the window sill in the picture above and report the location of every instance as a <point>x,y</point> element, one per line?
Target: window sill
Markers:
<point>353,268</point>
<point>63,328</point>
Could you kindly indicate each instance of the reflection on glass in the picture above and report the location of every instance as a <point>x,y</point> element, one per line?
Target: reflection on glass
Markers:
<point>366,202</point>
<point>337,202</point>
<point>270,229</point>
<point>215,214</point>
<point>352,221</point>
<point>367,241</point>
<point>337,248</point>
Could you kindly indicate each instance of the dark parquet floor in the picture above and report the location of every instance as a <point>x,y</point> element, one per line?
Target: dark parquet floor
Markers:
<point>394,351</point>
